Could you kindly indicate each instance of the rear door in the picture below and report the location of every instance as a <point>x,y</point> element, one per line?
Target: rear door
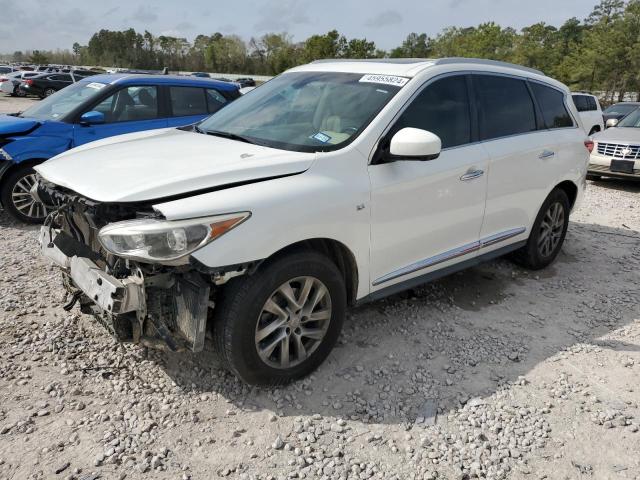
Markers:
<point>133,108</point>
<point>522,152</point>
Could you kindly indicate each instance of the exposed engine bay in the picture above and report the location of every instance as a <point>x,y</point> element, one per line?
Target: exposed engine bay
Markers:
<point>156,305</point>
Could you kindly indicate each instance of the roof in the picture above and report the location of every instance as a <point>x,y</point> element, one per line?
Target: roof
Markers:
<point>408,67</point>
<point>128,78</point>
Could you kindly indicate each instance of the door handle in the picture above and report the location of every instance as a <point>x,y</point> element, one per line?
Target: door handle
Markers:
<point>472,175</point>
<point>546,154</point>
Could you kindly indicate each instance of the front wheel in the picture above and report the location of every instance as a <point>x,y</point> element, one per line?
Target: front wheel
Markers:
<point>547,234</point>
<point>282,322</point>
<point>17,199</point>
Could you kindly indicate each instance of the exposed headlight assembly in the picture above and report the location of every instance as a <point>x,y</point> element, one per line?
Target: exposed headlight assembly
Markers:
<point>165,241</point>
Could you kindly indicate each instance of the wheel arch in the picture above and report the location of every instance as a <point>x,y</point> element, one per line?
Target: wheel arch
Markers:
<point>337,252</point>
<point>571,189</point>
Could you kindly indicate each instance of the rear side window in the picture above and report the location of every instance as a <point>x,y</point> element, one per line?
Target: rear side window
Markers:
<point>442,108</point>
<point>582,103</point>
<point>505,106</point>
<point>593,106</point>
<point>188,101</point>
<point>215,100</point>
<point>551,102</point>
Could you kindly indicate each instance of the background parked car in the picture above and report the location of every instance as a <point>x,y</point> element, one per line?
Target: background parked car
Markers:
<point>618,111</point>
<point>10,83</point>
<point>91,109</point>
<point>49,83</point>
<point>590,112</point>
<point>6,69</point>
<point>616,151</point>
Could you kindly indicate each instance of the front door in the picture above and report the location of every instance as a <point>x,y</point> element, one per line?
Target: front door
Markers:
<point>130,109</point>
<point>427,215</point>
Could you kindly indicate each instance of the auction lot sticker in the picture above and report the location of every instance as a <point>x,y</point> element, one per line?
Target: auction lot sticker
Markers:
<point>385,80</point>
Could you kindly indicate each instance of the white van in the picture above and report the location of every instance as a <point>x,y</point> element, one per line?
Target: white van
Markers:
<point>590,112</point>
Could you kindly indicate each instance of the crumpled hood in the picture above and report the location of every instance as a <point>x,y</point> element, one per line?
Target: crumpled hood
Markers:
<point>156,164</point>
<point>10,125</point>
<point>618,135</point>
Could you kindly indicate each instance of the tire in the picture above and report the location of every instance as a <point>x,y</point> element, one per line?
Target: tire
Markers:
<point>548,233</point>
<point>594,130</point>
<point>18,93</point>
<point>243,314</point>
<point>15,200</point>
<point>591,176</point>
<point>48,92</point>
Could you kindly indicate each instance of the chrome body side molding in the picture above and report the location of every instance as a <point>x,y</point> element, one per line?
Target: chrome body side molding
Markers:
<point>450,255</point>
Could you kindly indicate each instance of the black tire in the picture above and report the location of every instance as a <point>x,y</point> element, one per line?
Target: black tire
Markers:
<point>591,176</point>
<point>17,92</point>
<point>16,181</point>
<point>48,92</point>
<point>532,255</point>
<point>239,310</point>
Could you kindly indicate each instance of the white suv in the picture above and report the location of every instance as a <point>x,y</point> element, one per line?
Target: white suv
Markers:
<point>335,183</point>
<point>590,112</point>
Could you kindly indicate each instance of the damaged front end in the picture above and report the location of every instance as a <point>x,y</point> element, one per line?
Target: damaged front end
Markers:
<point>136,301</point>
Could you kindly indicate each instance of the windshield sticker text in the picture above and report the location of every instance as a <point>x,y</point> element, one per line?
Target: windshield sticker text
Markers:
<point>321,137</point>
<point>385,80</point>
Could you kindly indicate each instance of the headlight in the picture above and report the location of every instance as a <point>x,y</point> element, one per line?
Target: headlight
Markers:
<point>164,240</point>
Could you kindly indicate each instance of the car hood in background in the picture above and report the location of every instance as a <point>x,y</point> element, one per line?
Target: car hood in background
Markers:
<point>10,125</point>
<point>157,164</point>
<point>618,135</point>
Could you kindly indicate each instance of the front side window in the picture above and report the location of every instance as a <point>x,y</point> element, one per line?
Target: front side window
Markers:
<point>62,102</point>
<point>505,106</point>
<point>442,108</point>
<point>306,111</point>
<point>134,103</point>
<point>188,101</point>
<point>551,102</point>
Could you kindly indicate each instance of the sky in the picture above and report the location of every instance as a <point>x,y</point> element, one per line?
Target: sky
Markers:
<point>46,25</point>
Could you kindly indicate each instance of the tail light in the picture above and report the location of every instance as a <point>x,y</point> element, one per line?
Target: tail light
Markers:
<point>3,79</point>
<point>28,82</point>
<point>589,144</point>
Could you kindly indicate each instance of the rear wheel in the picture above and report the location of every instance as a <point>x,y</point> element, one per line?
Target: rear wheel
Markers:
<point>547,234</point>
<point>17,199</point>
<point>17,92</point>
<point>280,323</point>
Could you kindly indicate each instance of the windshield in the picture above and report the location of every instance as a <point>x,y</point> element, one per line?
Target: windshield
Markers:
<point>305,111</point>
<point>620,109</point>
<point>631,121</point>
<point>63,101</point>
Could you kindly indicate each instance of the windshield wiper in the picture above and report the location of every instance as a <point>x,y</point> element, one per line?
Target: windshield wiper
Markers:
<point>229,135</point>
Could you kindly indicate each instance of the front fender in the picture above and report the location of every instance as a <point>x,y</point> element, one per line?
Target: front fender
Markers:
<point>41,147</point>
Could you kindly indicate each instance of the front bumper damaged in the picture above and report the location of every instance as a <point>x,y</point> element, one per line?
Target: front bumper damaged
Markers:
<point>168,309</point>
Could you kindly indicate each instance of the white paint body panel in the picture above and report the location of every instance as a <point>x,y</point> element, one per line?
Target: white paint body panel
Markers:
<point>388,216</point>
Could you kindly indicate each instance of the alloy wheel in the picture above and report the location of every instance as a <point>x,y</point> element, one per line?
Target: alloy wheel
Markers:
<point>551,229</point>
<point>293,322</point>
<point>24,202</point>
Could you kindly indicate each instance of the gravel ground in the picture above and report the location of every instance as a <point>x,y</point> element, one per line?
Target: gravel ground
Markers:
<point>494,372</point>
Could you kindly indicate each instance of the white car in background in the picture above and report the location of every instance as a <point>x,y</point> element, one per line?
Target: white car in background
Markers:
<point>616,151</point>
<point>590,112</point>
<point>335,183</point>
<point>10,82</point>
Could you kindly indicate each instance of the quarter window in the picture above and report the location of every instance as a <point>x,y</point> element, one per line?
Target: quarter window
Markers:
<point>505,106</point>
<point>130,104</point>
<point>188,101</point>
<point>551,102</point>
<point>215,100</point>
<point>442,108</point>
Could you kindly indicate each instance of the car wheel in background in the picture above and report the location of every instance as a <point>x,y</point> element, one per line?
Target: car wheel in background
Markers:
<point>49,91</point>
<point>547,234</point>
<point>17,92</point>
<point>594,130</point>
<point>280,323</point>
<point>16,196</point>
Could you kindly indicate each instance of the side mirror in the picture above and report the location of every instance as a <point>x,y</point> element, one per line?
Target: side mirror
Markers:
<point>415,144</point>
<point>92,118</point>
<point>612,122</point>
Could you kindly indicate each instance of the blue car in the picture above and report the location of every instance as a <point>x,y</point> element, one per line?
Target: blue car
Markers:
<point>93,108</point>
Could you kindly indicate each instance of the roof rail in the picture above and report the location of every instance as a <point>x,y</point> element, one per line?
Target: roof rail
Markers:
<point>482,61</point>
<point>375,60</point>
